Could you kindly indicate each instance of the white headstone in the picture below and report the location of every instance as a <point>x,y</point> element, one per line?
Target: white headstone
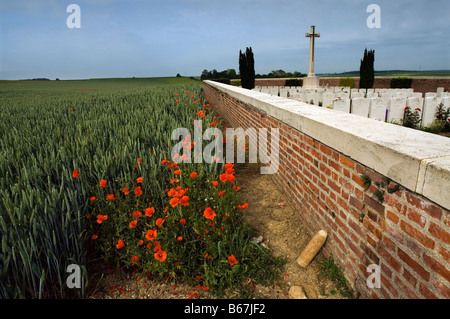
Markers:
<point>429,110</point>
<point>377,109</point>
<point>342,105</point>
<point>327,99</point>
<point>446,101</point>
<point>274,90</point>
<point>396,109</point>
<point>283,92</point>
<point>415,103</point>
<point>360,106</point>
<point>318,98</point>
<point>372,95</point>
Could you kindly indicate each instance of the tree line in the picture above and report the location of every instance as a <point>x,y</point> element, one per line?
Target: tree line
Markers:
<point>247,71</point>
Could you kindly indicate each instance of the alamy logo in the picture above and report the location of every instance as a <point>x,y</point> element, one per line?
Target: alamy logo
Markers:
<point>214,151</point>
<point>373,280</point>
<point>74,279</point>
<point>374,20</point>
<point>73,20</point>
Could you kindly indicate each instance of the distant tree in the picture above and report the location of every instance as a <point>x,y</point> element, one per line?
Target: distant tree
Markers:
<point>366,70</point>
<point>178,75</point>
<point>247,68</point>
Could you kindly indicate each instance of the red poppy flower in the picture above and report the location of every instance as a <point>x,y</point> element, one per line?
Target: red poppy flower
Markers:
<point>75,173</point>
<point>140,179</point>
<point>138,191</point>
<point>184,201</point>
<point>120,244</point>
<point>183,221</point>
<point>220,193</point>
<point>194,175</point>
<point>92,198</point>
<point>137,214</point>
<point>125,191</point>
<point>133,223</point>
<point>232,260</point>
<point>209,213</point>
<point>103,183</point>
<point>177,172</point>
<point>151,234</point>
<point>161,255</point>
<point>149,211</point>
<point>243,206</point>
<point>215,183</point>
<point>174,202</point>
<point>94,236</point>
<point>164,161</point>
<point>110,197</point>
<point>101,218</point>
<point>159,222</point>
<point>134,259</point>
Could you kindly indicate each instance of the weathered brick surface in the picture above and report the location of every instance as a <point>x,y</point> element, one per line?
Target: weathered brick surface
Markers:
<point>404,233</point>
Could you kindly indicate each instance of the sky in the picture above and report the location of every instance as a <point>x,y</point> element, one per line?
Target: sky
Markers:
<point>150,38</point>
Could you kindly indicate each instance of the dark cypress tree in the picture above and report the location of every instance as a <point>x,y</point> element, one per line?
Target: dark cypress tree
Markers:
<point>247,68</point>
<point>366,70</point>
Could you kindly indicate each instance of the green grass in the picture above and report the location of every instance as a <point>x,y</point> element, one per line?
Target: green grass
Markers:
<point>97,84</point>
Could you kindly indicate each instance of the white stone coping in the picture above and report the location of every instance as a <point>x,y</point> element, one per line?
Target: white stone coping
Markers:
<point>415,159</point>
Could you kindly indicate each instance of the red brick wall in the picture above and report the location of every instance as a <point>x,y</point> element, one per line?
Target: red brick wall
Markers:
<point>406,234</point>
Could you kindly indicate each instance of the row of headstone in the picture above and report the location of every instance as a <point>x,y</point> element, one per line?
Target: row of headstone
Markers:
<point>380,104</point>
<point>392,110</point>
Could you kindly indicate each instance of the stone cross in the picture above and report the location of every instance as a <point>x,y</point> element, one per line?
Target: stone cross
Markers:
<point>312,35</point>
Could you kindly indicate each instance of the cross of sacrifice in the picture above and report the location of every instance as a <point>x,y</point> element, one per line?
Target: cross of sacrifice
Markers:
<point>312,35</point>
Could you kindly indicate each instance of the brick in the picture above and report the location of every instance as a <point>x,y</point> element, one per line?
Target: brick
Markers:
<point>389,259</point>
<point>392,216</point>
<point>437,267</point>
<point>433,211</point>
<point>420,270</point>
<point>409,277</point>
<point>325,149</point>
<point>447,220</point>
<point>373,203</point>
<point>392,202</point>
<point>444,253</point>
<point>356,203</point>
<point>347,162</point>
<point>405,289</point>
<point>416,234</point>
<point>442,289</point>
<point>416,217</point>
<point>358,180</point>
<point>385,269</point>
<point>430,209</point>
<point>439,233</point>
<point>334,186</point>
<point>426,292</point>
<point>387,283</point>
<point>372,228</point>
<point>389,243</point>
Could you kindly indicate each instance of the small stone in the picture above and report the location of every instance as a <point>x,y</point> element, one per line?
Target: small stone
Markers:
<point>258,240</point>
<point>297,292</point>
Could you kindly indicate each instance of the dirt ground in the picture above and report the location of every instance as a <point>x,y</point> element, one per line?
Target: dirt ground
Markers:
<point>272,217</point>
